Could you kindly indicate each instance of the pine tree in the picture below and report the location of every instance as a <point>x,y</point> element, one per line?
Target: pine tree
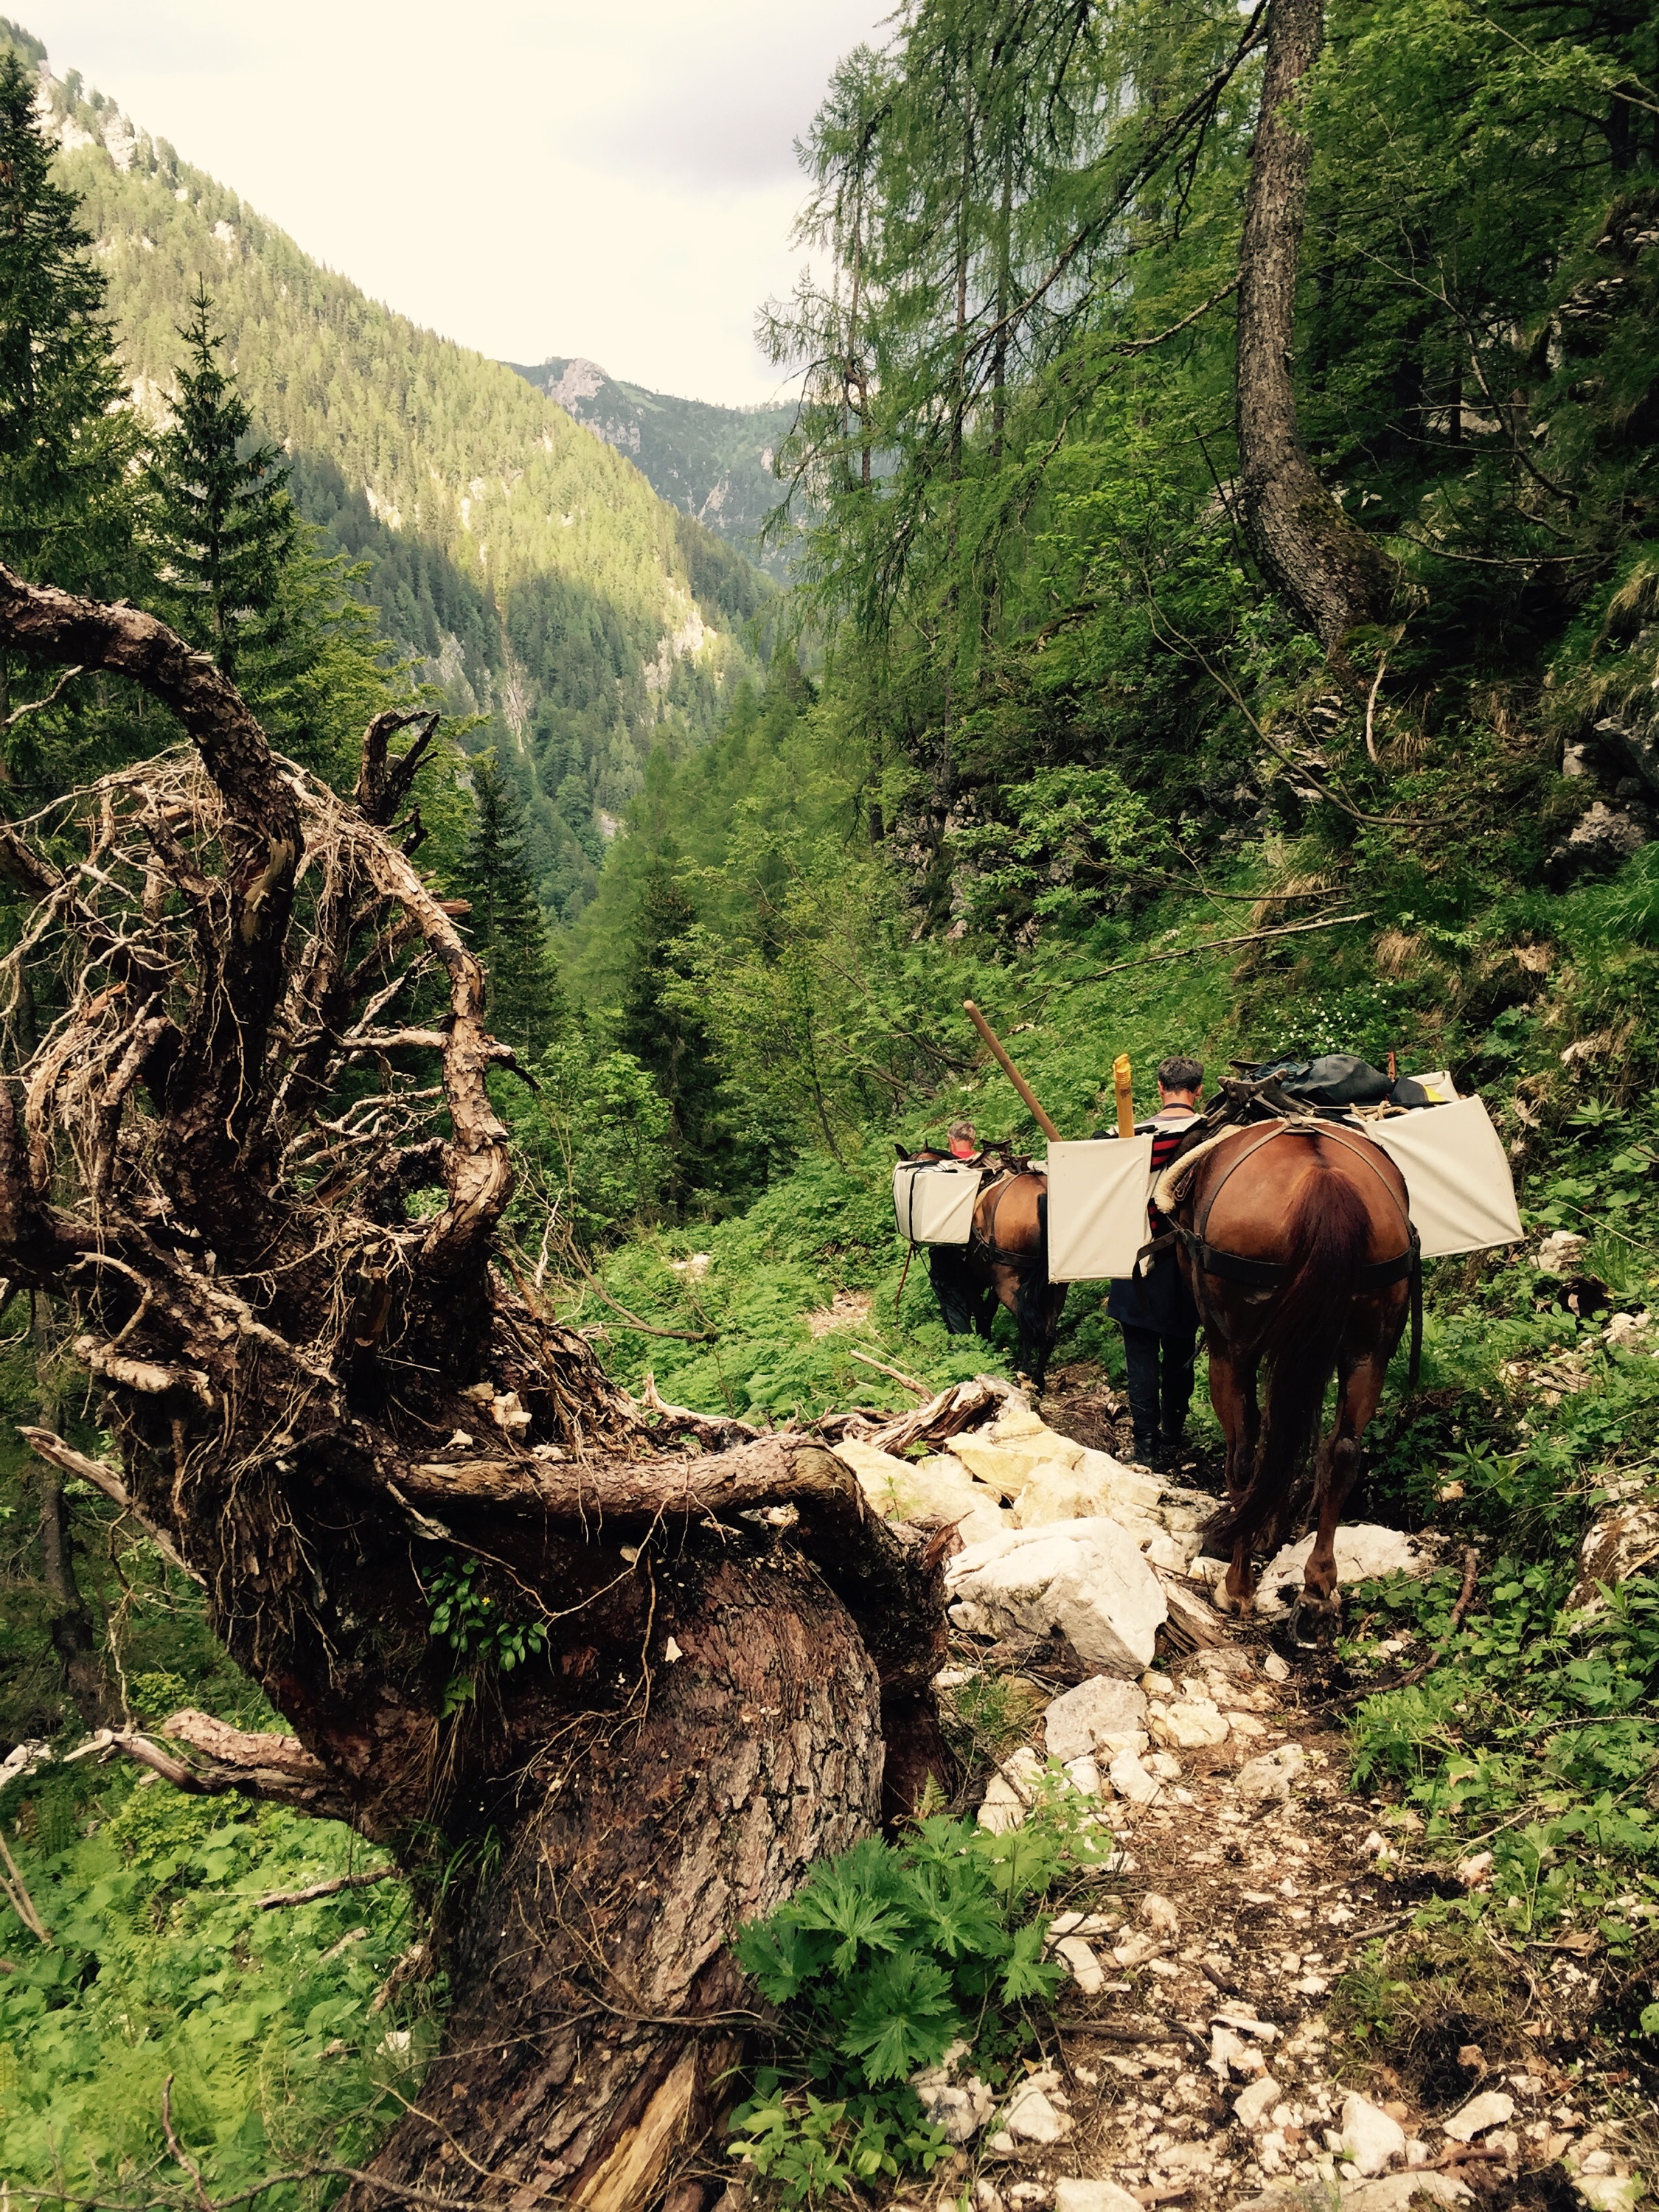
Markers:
<point>66,499</point>
<point>508,929</point>
<point>227,526</point>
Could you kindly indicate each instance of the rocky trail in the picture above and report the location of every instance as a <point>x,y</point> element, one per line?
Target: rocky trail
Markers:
<point>1209,2049</point>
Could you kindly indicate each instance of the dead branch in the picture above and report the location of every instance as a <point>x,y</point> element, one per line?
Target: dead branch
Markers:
<point>34,706</point>
<point>17,1896</point>
<point>332,1888</point>
<point>57,1454</point>
<point>232,1760</point>
<point>1226,943</point>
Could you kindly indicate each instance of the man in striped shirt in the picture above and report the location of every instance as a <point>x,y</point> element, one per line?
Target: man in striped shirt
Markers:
<point>1155,1309</point>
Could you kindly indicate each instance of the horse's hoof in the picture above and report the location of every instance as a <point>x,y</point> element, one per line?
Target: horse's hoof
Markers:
<point>1313,1620</point>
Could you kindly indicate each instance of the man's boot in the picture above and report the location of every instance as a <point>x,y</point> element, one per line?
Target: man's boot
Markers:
<point>1149,1451</point>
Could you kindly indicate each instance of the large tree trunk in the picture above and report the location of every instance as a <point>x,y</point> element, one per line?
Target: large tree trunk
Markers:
<point>1331,573</point>
<point>332,1410</point>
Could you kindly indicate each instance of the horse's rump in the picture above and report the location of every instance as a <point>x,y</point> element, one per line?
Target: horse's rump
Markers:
<point>1308,1218</point>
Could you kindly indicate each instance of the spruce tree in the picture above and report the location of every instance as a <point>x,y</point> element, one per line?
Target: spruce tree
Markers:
<point>227,523</point>
<point>508,929</point>
<point>66,500</point>
<point>662,1028</point>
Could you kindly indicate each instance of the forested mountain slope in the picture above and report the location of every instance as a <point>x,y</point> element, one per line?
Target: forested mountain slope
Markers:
<point>532,568</point>
<point>714,463</point>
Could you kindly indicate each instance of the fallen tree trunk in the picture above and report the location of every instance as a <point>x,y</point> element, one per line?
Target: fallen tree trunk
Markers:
<point>630,1669</point>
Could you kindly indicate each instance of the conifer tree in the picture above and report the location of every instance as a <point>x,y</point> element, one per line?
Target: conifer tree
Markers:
<point>66,442</point>
<point>508,929</point>
<point>227,523</point>
<point>662,1028</point>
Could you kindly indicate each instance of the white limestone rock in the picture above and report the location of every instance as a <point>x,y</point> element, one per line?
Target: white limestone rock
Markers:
<point>1402,2192</point>
<point>1079,1722</point>
<point>959,2108</point>
<point>1492,2108</point>
<point>1363,1551</point>
<point>1081,1963</point>
<point>1131,1780</point>
<point>1189,1724</point>
<point>1056,1491</point>
<point>1032,2116</point>
<point>1085,1577</point>
<point>1561,1251</point>
<point>1370,2139</point>
<point>1001,1809</point>
<point>1267,1779</point>
<point>1252,2105</point>
<point>1007,1467</point>
<point>1077,2194</point>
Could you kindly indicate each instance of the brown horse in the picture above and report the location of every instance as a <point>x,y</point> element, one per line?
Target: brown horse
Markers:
<point>1003,1263</point>
<point>1296,1239</point>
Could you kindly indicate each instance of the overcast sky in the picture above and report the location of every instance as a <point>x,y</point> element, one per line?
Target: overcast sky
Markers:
<point>613,177</point>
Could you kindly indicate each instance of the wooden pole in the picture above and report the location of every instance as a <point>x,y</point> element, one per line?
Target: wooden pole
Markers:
<point>1010,1070</point>
<point>1123,1085</point>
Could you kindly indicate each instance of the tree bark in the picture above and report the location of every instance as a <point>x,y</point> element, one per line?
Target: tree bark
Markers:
<point>331,1412</point>
<point>1330,571</point>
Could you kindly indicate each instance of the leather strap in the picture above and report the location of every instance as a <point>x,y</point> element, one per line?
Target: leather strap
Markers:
<point>1270,1274</point>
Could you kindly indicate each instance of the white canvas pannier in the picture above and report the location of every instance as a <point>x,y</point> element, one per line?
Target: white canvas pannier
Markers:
<point>1098,1191</point>
<point>1462,1194</point>
<point>934,1200</point>
<point>1457,1178</point>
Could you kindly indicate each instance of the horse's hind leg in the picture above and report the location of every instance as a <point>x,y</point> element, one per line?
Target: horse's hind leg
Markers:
<point>1232,1393</point>
<point>1359,1386</point>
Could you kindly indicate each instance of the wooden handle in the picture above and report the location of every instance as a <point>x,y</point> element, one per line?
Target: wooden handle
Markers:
<point>1010,1070</point>
<point>1123,1085</point>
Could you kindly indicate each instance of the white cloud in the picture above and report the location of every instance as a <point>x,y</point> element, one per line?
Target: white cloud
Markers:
<point>615,180</point>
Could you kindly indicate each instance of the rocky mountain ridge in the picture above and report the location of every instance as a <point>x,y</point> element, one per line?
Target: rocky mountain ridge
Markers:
<point>711,463</point>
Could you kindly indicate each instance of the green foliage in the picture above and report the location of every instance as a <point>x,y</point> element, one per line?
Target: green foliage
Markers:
<point>479,1627</point>
<point>161,1965</point>
<point>884,1959</point>
<point>706,461</point>
<point>529,568</point>
<point>1535,1735</point>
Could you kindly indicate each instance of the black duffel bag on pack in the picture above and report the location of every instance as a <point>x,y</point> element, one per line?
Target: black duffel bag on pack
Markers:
<point>1337,1078</point>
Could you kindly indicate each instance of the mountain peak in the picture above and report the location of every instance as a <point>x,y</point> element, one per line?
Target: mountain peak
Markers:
<point>570,382</point>
<point>713,463</point>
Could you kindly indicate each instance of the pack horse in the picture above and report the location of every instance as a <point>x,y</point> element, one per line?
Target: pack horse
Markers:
<point>1003,1262</point>
<point>1297,1240</point>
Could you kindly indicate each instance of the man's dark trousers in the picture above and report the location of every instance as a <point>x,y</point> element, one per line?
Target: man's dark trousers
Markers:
<point>1160,1326</point>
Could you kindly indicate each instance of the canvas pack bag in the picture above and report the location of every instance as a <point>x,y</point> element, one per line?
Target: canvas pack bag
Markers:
<point>1097,1190</point>
<point>934,1200</point>
<point>1462,1192</point>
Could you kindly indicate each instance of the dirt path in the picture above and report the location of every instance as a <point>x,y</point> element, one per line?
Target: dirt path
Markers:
<point>1211,2051</point>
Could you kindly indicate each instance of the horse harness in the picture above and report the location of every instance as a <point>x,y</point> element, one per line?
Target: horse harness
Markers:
<point>986,1246</point>
<point>1271,1274</point>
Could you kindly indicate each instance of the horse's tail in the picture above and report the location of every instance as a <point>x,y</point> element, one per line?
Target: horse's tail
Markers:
<point>1327,1238</point>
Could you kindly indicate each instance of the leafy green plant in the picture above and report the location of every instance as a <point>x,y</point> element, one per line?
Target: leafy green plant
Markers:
<point>1535,1736</point>
<point>162,1965</point>
<point>886,1958</point>
<point>477,1627</point>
